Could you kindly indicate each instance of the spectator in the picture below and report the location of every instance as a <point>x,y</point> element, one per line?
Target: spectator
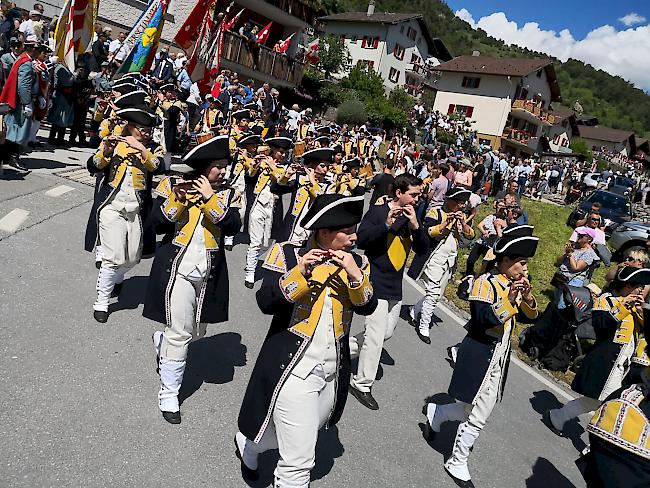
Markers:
<point>595,209</point>
<point>99,53</point>
<point>184,80</point>
<point>382,182</point>
<point>576,262</point>
<point>29,27</point>
<point>163,70</point>
<point>593,222</point>
<point>117,50</point>
<point>490,228</point>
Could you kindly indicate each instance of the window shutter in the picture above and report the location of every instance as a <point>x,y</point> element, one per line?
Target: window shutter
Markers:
<point>375,44</point>
<point>363,42</point>
<point>478,82</point>
<point>451,109</point>
<point>469,112</point>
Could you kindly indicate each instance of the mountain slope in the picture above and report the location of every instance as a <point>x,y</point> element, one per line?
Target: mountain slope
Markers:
<point>613,100</point>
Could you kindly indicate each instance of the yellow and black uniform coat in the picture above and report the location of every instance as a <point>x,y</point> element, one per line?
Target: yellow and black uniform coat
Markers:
<point>296,304</point>
<point>177,221</point>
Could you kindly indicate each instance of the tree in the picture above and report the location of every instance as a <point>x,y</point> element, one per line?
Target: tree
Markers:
<point>400,99</point>
<point>351,112</point>
<point>579,146</point>
<point>334,56</point>
<point>367,83</point>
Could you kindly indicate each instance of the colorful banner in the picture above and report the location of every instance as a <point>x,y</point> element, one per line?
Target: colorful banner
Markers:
<point>144,38</point>
<point>75,29</point>
<point>191,29</point>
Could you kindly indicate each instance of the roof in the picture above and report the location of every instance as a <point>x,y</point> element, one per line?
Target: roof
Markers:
<point>435,46</point>
<point>604,133</point>
<point>504,67</point>
<point>494,66</point>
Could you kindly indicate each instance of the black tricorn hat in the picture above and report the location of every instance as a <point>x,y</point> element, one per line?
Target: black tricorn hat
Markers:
<point>324,130</point>
<point>630,275</point>
<point>131,99</point>
<point>123,88</point>
<point>256,129</point>
<point>324,140</point>
<point>516,246</point>
<point>169,87</point>
<point>252,106</point>
<point>315,156</point>
<point>279,142</point>
<point>250,139</point>
<point>138,115</point>
<point>354,162</point>
<point>459,194</point>
<point>241,114</point>
<point>338,148</point>
<point>213,149</point>
<point>518,230</point>
<point>333,211</point>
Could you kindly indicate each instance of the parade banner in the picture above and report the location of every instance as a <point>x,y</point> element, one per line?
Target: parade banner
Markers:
<point>144,38</point>
<point>75,30</point>
<point>191,29</point>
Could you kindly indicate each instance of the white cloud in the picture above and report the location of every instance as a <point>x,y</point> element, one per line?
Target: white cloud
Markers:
<point>617,52</point>
<point>632,19</point>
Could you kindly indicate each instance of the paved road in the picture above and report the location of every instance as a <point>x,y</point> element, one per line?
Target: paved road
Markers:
<point>79,401</point>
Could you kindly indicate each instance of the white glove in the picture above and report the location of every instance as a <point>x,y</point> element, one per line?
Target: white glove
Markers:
<point>42,103</point>
<point>27,110</point>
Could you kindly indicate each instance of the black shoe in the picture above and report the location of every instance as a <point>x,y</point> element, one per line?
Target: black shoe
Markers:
<point>16,163</point>
<point>228,247</point>
<point>459,482</point>
<point>246,472</point>
<point>98,264</point>
<point>249,284</point>
<point>100,316</point>
<point>423,338</point>
<point>172,417</point>
<point>117,289</point>
<point>429,434</point>
<point>546,419</point>
<point>365,398</point>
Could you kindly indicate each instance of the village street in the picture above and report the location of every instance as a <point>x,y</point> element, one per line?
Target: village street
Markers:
<point>79,403</point>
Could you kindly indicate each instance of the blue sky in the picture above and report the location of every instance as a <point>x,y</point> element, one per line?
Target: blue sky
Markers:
<point>579,16</point>
<point>610,35</point>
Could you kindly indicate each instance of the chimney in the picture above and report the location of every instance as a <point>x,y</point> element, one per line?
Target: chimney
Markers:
<point>371,8</point>
<point>476,53</point>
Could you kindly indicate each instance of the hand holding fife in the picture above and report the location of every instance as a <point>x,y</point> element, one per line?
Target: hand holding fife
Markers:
<point>346,261</point>
<point>310,260</point>
<point>203,186</point>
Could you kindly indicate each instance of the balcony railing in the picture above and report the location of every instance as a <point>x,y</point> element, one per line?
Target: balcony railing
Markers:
<point>518,135</point>
<point>279,66</point>
<point>531,107</point>
<point>424,72</point>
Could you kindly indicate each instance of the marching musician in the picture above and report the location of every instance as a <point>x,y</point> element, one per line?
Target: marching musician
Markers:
<point>444,226</point>
<point>349,181</point>
<point>264,172</point>
<point>497,299</point>
<point>211,116</point>
<point>188,284</point>
<point>123,202</point>
<point>241,118</point>
<point>617,320</point>
<point>300,379</point>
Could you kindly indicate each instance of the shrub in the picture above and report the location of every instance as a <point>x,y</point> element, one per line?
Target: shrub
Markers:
<point>351,112</point>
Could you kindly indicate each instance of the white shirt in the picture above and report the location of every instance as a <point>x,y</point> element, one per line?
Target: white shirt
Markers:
<point>194,263</point>
<point>125,199</point>
<point>118,48</point>
<point>27,28</point>
<point>195,95</point>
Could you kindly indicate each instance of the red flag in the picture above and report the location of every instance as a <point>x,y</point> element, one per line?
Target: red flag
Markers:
<point>312,54</point>
<point>283,46</point>
<point>232,21</point>
<point>263,36</point>
<point>189,32</point>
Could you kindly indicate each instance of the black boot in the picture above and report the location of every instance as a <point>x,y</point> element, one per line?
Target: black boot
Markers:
<point>100,316</point>
<point>172,417</point>
<point>14,160</point>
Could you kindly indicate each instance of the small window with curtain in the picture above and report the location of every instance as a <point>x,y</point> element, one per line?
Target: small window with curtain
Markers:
<point>471,82</point>
<point>393,75</point>
<point>398,52</point>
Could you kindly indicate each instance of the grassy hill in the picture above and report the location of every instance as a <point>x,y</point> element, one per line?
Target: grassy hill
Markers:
<point>613,100</point>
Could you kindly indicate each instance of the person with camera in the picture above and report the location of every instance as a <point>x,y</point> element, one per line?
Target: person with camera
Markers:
<point>445,226</point>
<point>387,233</point>
<point>264,172</point>
<point>123,201</point>
<point>498,298</point>
<point>300,380</point>
<point>617,319</point>
<point>188,285</point>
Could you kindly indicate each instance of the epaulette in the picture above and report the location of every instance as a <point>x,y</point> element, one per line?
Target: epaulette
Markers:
<point>382,200</point>
<point>483,290</point>
<point>282,257</point>
<point>164,188</point>
<point>622,422</point>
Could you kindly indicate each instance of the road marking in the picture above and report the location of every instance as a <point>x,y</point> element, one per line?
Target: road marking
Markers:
<point>58,191</point>
<point>531,371</point>
<point>13,220</point>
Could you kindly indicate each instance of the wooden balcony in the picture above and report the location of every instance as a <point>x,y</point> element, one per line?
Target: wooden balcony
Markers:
<point>537,114</point>
<point>425,74</point>
<point>277,69</point>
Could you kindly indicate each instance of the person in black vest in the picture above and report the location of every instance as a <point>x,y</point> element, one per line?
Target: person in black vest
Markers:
<point>300,380</point>
<point>387,233</point>
<point>382,182</point>
<point>188,285</point>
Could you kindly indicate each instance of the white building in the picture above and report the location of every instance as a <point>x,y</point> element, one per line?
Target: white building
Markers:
<point>398,46</point>
<point>507,100</point>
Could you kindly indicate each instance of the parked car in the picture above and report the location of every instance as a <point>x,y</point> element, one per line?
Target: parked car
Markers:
<point>592,181</point>
<point>616,209</point>
<point>628,237</point>
<point>621,186</point>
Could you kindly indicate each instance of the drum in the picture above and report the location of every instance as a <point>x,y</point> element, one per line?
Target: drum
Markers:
<point>204,136</point>
<point>299,149</point>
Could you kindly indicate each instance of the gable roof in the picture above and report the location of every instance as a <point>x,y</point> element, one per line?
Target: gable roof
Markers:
<point>435,45</point>
<point>606,134</point>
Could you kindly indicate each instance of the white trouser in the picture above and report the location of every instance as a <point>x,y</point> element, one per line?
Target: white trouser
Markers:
<point>107,278</point>
<point>572,410</point>
<point>469,430</point>
<point>435,281</point>
<point>182,328</point>
<point>171,378</point>
<point>120,236</point>
<point>379,327</point>
<point>99,253</point>
<point>301,410</point>
<point>259,230</point>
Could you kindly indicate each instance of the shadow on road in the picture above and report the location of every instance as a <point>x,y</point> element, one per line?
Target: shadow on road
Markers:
<point>545,475</point>
<point>543,401</point>
<point>132,295</point>
<point>38,163</point>
<point>10,174</point>
<point>212,360</point>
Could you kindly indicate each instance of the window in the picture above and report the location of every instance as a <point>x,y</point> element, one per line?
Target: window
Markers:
<point>370,42</point>
<point>398,52</point>
<point>353,39</point>
<point>366,63</point>
<point>415,59</point>
<point>411,33</point>
<point>393,75</point>
<point>464,110</point>
<point>470,82</point>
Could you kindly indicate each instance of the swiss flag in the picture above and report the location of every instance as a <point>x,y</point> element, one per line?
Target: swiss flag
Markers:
<point>312,54</point>
<point>283,46</point>
<point>232,21</point>
<point>263,36</point>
